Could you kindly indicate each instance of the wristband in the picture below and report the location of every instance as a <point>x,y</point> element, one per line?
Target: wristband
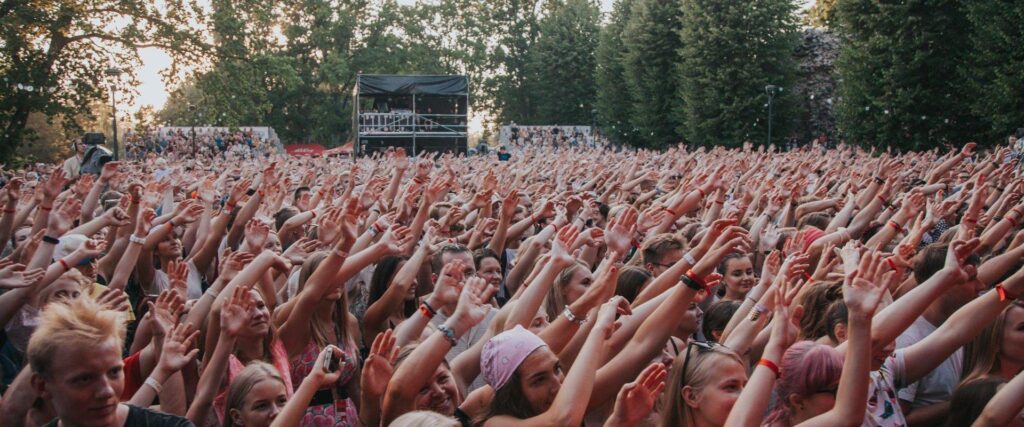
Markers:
<point>689,259</point>
<point>572,317</point>
<point>882,199</point>
<point>449,334</point>
<point>702,193</point>
<point>340,253</point>
<point>671,212</point>
<point>64,264</point>
<point>250,192</point>
<point>690,283</point>
<point>314,213</point>
<point>51,240</point>
<point>895,226</point>
<point>879,180</point>
<point>892,265</point>
<point>427,310</point>
<point>136,239</point>
<point>771,365</point>
<point>153,383</point>
<point>1004,295</point>
<point>698,280</point>
<point>10,211</point>
<point>45,208</point>
<point>229,207</point>
<point>1013,222</point>
<point>212,291</point>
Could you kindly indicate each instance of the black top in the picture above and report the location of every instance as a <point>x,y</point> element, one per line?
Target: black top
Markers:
<point>141,417</point>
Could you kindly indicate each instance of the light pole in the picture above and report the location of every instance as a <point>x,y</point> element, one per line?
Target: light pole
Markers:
<point>771,90</point>
<point>114,73</point>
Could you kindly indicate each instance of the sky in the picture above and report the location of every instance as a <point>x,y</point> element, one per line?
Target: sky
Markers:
<point>153,92</point>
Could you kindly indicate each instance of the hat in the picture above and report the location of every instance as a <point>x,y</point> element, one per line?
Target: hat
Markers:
<point>67,244</point>
<point>503,354</point>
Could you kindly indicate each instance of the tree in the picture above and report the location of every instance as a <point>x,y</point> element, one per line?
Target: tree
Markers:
<point>730,52</point>
<point>897,68</point>
<point>614,105</point>
<point>563,63</point>
<point>652,54</point>
<point>821,14</point>
<point>54,53</point>
<point>513,29</point>
<point>815,87</point>
<point>994,71</point>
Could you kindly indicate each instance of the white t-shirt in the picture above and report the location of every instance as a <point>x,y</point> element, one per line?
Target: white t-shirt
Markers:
<point>883,405</point>
<point>938,386</point>
<point>161,282</point>
<point>466,341</point>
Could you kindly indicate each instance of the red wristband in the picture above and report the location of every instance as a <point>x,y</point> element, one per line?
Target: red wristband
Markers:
<point>881,199</point>
<point>671,212</point>
<point>64,265</point>
<point>895,226</point>
<point>892,265</point>
<point>45,208</point>
<point>702,193</point>
<point>8,210</point>
<point>1004,295</point>
<point>771,365</point>
<point>1013,222</point>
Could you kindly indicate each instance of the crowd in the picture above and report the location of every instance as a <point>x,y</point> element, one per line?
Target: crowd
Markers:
<point>565,286</point>
<point>184,144</point>
<point>555,136</point>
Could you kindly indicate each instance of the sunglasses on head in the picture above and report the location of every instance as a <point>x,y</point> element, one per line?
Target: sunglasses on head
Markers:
<point>702,347</point>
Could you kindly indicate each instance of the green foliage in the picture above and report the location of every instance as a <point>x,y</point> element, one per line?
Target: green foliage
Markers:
<point>730,52</point>
<point>897,67</point>
<point>652,47</point>
<point>614,105</point>
<point>994,70</point>
<point>562,63</point>
<point>821,14</point>
<point>53,54</point>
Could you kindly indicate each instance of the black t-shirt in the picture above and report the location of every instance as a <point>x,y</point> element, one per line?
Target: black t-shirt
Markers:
<point>141,417</point>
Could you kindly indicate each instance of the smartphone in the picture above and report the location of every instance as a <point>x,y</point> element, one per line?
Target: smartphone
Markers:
<point>331,364</point>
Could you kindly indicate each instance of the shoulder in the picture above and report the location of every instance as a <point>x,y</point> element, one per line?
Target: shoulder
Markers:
<point>142,417</point>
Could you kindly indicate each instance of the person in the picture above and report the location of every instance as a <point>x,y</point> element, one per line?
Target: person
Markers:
<point>72,166</point>
<point>75,356</point>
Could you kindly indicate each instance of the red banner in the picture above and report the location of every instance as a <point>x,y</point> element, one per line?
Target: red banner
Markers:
<point>304,149</point>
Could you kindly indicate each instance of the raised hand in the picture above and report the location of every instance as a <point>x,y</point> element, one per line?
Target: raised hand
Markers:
<point>232,263</point>
<point>61,220</point>
<point>449,284</point>
<point>474,302</point>
<point>179,348</point>
<point>13,276</point>
<point>109,171</point>
<point>53,185</point>
<point>380,364</point>
<point>636,399</point>
<point>559,253</point>
<point>300,250</point>
<point>116,217</point>
<point>863,290</point>
<point>956,257</point>
<point>166,311</point>
<point>619,233</point>
<point>177,276</point>
<point>234,313</point>
<point>606,324</point>
<point>113,299</point>
<point>395,239</point>
<point>256,233</point>
<point>90,249</point>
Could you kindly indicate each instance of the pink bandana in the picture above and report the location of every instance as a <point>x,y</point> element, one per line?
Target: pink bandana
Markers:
<point>503,354</point>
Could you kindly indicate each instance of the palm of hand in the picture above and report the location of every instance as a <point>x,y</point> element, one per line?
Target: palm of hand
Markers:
<point>637,404</point>
<point>233,319</point>
<point>175,354</point>
<point>377,374</point>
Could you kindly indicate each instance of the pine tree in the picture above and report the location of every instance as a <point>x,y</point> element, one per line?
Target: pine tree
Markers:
<point>995,69</point>
<point>730,52</point>
<point>652,54</point>
<point>614,106</point>
<point>899,84</point>
<point>563,63</point>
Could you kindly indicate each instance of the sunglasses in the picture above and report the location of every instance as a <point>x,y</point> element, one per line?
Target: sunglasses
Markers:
<point>702,347</point>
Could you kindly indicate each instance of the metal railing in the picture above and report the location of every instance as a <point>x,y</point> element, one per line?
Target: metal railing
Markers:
<point>407,123</point>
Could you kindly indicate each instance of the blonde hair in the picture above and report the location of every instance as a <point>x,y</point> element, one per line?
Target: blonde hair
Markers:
<point>254,373</point>
<point>675,411</point>
<point>424,419</point>
<point>982,355</point>
<point>555,302</point>
<point>77,321</point>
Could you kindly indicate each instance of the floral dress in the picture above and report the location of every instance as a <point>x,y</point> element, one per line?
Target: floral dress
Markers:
<point>342,412</point>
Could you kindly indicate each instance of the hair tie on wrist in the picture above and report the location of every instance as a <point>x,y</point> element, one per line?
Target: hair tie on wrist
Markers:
<point>1004,295</point>
<point>64,264</point>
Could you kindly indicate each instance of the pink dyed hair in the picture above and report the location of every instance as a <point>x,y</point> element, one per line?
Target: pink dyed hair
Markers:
<point>807,368</point>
